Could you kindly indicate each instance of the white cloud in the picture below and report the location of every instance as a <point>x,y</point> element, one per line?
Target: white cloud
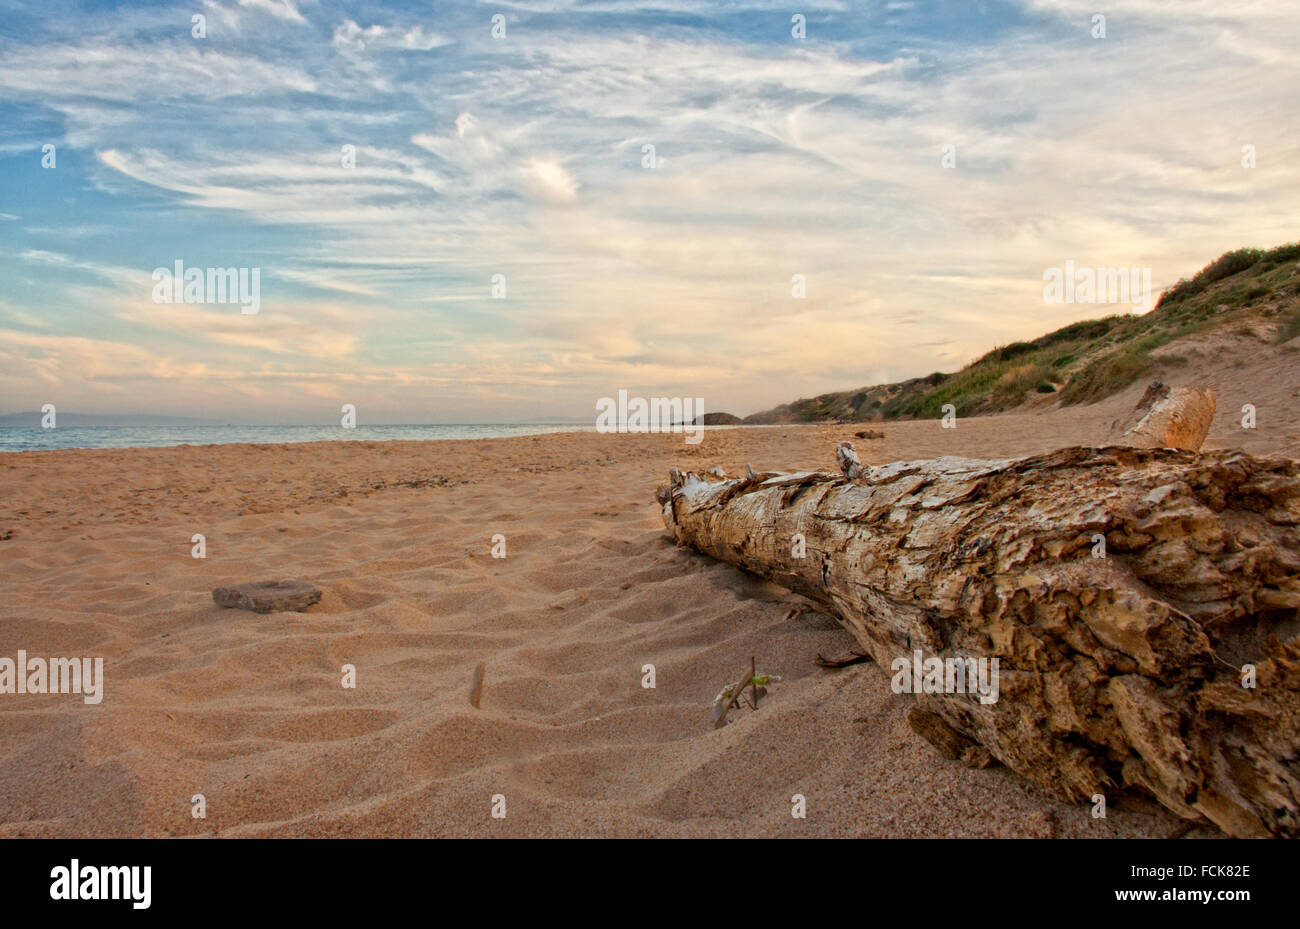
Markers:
<point>352,36</point>
<point>281,9</point>
<point>550,182</point>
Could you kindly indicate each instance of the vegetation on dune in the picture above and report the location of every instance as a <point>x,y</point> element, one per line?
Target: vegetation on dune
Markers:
<point>1230,290</point>
<point>1225,266</point>
<point>1290,326</point>
<point>1087,360</point>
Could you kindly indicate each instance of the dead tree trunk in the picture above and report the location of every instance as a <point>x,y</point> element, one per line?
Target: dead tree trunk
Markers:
<point>1141,603</point>
<point>1166,418</point>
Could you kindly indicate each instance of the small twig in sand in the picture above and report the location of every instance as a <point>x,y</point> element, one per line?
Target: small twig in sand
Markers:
<point>855,658</point>
<point>735,695</point>
<point>476,686</point>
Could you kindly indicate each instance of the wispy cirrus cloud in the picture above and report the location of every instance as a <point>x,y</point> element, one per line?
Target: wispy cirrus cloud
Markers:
<point>144,74</point>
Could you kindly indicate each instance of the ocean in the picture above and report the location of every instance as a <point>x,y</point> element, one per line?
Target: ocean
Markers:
<point>34,438</point>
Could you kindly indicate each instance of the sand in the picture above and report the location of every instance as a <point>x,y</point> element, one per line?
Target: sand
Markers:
<point>248,710</point>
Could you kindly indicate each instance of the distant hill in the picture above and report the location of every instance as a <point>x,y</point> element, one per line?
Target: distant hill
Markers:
<point>1084,361</point>
<point>714,419</point>
<point>86,419</point>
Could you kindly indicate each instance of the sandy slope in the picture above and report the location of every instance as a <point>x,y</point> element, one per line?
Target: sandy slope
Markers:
<point>249,711</point>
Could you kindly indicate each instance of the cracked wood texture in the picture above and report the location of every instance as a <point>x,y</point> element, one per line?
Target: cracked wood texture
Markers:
<point>1122,671</point>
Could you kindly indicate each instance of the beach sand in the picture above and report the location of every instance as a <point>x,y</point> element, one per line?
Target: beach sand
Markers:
<point>248,710</point>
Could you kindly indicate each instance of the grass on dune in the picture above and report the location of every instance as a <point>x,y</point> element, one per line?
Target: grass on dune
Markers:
<point>1092,359</point>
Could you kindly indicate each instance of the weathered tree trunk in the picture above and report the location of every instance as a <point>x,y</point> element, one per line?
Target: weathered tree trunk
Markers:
<point>1167,418</point>
<point>1123,591</point>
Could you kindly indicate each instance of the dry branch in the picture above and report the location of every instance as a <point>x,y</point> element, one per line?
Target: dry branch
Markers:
<point>1120,670</point>
<point>476,685</point>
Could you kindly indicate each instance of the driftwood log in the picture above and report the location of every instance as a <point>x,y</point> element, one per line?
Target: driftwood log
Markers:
<point>1142,605</point>
<point>1168,418</point>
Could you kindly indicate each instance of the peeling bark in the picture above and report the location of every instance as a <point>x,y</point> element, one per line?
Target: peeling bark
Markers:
<point>1117,671</point>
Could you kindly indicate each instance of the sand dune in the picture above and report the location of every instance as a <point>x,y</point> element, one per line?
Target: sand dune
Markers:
<point>248,709</point>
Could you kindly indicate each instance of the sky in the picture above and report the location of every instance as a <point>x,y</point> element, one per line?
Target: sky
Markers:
<point>919,165</point>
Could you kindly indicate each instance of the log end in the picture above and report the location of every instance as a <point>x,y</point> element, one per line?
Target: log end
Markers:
<point>1169,418</point>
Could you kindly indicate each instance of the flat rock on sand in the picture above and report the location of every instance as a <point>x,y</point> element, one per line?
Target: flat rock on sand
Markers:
<point>267,596</point>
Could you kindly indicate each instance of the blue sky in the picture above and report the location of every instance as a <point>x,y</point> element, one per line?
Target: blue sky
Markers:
<point>522,156</point>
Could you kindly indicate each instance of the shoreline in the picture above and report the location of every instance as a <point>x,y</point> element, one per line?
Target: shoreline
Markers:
<point>561,429</point>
